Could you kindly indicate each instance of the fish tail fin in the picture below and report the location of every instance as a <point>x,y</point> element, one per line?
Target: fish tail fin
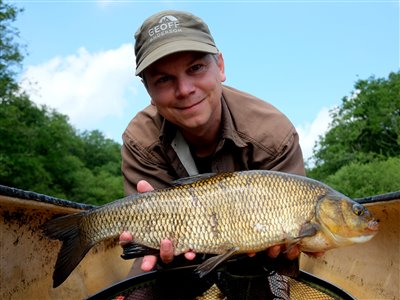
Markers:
<point>73,249</point>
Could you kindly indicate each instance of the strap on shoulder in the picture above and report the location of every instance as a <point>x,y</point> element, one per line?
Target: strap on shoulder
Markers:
<point>181,148</point>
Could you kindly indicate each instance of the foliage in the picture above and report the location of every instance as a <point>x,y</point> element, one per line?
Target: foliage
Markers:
<point>10,51</point>
<point>360,180</point>
<point>364,128</point>
<point>40,151</point>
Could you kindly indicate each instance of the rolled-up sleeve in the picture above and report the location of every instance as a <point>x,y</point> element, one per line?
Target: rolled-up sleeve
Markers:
<point>138,163</point>
<point>289,156</point>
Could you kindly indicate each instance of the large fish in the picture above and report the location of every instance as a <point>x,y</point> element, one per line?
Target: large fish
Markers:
<point>225,214</point>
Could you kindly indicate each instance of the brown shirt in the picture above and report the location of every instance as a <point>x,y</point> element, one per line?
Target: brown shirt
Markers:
<point>254,135</point>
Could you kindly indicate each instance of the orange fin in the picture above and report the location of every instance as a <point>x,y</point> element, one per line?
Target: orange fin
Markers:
<point>306,230</point>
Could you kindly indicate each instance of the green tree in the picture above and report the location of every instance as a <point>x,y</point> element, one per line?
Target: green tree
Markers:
<point>19,166</point>
<point>42,152</point>
<point>364,128</point>
<point>103,157</point>
<point>101,152</point>
<point>10,50</point>
<point>39,149</point>
<point>360,180</point>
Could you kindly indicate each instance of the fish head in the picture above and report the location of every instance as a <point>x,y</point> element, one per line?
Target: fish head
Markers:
<point>344,220</point>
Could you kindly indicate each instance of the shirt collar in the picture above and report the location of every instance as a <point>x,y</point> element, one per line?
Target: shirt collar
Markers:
<point>167,132</point>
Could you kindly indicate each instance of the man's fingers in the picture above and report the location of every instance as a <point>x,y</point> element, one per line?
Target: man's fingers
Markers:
<point>143,186</point>
<point>293,252</point>
<point>166,251</point>
<point>148,263</point>
<point>190,255</point>
<point>274,251</point>
<point>125,237</point>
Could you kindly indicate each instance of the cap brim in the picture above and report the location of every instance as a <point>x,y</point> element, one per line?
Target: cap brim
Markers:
<point>173,47</point>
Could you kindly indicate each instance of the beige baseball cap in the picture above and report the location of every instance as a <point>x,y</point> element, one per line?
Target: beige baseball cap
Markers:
<point>169,32</point>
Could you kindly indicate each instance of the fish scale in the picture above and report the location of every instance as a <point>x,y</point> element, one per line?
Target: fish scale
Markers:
<point>236,212</point>
<point>237,208</point>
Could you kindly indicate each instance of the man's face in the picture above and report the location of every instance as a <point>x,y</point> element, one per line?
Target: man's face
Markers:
<point>186,88</point>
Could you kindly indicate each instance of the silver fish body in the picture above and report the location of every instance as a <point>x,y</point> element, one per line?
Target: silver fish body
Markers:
<point>236,212</point>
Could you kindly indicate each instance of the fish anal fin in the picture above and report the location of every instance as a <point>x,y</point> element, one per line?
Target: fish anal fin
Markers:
<point>132,250</point>
<point>211,263</point>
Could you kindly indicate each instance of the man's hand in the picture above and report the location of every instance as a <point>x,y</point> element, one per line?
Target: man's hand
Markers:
<point>291,253</point>
<point>166,247</point>
<point>274,252</point>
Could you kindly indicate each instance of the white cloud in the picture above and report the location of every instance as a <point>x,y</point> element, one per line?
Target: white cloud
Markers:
<point>309,133</point>
<point>92,88</point>
<point>88,87</point>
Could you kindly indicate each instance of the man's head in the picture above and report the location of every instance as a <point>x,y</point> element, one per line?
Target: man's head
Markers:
<point>169,32</point>
<point>182,70</point>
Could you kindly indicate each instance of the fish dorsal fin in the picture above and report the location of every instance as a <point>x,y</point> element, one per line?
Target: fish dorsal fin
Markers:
<point>192,179</point>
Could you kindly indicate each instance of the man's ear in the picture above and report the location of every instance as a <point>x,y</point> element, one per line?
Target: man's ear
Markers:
<point>221,67</point>
<point>144,83</point>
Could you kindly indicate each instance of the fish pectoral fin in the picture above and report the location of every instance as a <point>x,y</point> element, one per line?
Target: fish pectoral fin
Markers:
<point>133,250</point>
<point>211,263</point>
<point>306,230</point>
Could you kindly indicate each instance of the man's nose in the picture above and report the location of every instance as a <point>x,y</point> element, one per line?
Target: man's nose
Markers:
<point>184,87</point>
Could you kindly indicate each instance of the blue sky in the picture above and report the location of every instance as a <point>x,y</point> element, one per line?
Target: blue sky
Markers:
<point>301,56</point>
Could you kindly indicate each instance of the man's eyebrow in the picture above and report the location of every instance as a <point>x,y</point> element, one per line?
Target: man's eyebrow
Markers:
<point>197,56</point>
<point>155,72</point>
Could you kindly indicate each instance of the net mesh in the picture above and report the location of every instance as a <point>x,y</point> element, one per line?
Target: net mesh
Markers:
<point>282,287</point>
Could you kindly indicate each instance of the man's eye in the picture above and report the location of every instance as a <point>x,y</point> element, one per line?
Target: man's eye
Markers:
<point>196,68</point>
<point>162,79</point>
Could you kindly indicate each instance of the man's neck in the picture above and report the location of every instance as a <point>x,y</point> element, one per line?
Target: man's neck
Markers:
<point>203,145</point>
<point>204,141</point>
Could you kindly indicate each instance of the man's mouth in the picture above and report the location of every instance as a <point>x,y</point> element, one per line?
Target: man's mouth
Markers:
<point>190,105</point>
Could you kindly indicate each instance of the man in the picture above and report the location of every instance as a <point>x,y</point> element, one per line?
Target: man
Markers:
<point>195,124</point>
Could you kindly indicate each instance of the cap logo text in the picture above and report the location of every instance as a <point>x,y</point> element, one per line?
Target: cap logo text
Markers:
<point>166,25</point>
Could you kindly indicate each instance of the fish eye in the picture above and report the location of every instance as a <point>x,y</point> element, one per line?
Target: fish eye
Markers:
<point>358,209</point>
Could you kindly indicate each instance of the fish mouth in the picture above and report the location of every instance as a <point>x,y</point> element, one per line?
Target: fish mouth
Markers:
<point>373,225</point>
